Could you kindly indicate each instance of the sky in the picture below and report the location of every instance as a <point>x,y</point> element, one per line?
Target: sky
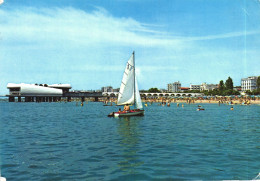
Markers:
<point>87,43</point>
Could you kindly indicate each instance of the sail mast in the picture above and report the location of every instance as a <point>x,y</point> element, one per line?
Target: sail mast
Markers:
<point>134,75</point>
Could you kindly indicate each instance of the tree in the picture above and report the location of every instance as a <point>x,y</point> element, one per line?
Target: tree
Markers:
<point>205,92</point>
<point>153,90</point>
<point>235,92</point>
<point>258,82</point>
<point>228,92</point>
<point>221,86</point>
<point>248,92</point>
<point>256,91</point>
<point>229,84</point>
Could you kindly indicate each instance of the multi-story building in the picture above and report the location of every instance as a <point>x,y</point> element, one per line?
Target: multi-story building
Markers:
<point>116,90</point>
<point>174,87</point>
<point>194,87</point>
<point>208,87</point>
<point>107,89</point>
<point>249,83</point>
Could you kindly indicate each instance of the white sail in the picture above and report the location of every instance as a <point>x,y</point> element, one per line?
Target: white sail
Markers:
<point>126,92</point>
<point>138,100</point>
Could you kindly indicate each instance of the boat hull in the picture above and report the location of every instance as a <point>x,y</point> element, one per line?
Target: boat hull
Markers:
<point>129,113</point>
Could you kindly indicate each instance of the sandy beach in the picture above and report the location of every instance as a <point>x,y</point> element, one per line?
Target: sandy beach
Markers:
<point>209,101</point>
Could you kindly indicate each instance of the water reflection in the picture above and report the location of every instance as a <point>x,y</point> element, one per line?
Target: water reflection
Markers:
<point>130,132</point>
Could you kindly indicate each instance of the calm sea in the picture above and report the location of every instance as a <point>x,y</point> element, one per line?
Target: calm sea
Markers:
<point>62,141</point>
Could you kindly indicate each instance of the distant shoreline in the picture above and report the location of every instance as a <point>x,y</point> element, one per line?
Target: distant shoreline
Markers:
<point>217,102</point>
<point>207,101</point>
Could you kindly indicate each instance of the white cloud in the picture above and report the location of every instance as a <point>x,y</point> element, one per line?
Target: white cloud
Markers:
<point>1,2</point>
<point>221,36</point>
<point>72,25</point>
<point>71,44</point>
<point>76,27</point>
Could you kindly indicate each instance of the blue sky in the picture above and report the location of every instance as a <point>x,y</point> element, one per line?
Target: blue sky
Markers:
<point>87,42</point>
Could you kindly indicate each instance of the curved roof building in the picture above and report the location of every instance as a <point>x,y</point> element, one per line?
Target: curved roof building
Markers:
<point>37,90</point>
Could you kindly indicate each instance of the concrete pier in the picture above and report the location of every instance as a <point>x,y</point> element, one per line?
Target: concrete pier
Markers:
<point>68,96</point>
<point>11,99</point>
<point>68,99</point>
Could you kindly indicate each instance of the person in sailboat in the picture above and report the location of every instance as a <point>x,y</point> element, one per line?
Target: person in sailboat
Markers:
<point>126,107</point>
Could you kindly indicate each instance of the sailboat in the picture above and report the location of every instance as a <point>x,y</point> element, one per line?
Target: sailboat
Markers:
<point>129,92</point>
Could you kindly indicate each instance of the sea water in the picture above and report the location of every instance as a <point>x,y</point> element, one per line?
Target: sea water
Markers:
<point>62,141</point>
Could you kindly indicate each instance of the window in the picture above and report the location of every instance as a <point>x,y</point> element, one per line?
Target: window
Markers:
<point>15,89</point>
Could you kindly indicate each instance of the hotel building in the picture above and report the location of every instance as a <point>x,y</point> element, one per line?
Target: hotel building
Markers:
<point>174,87</point>
<point>249,83</point>
<point>194,87</point>
<point>208,87</point>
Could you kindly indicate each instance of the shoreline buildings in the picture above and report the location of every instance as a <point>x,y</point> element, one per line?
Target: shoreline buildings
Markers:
<point>174,87</point>
<point>195,87</point>
<point>208,87</point>
<point>249,83</point>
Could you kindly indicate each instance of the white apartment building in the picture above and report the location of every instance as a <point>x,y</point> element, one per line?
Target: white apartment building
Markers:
<point>249,83</point>
<point>194,87</point>
<point>107,89</point>
<point>208,87</point>
<point>174,87</point>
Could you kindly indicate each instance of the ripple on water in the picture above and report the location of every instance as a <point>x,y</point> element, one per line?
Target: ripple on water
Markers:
<point>62,141</point>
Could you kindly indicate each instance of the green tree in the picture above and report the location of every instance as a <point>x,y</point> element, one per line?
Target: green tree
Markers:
<point>248,92</point>
<point>221,86</point>
<point>153,90</point>
<point>206,92</point>
<point>229,84</point>
<point>256,91</point>
<point>258,82</point>
<point>227,92</point>
<point>235,92</point>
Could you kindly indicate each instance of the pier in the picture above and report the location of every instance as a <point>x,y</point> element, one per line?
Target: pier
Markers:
<point>47,93</point>
<point>43,98</point>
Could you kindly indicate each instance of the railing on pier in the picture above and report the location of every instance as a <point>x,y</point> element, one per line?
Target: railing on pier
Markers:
<point>83,94</point>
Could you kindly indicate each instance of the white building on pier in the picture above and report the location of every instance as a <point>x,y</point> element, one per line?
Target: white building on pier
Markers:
<point>20,90</point>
